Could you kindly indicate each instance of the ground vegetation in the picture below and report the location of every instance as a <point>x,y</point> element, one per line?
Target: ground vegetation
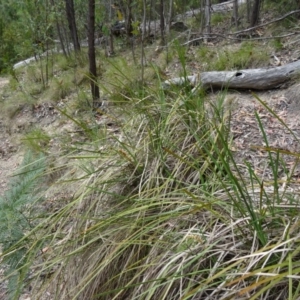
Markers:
<point>156,193</point>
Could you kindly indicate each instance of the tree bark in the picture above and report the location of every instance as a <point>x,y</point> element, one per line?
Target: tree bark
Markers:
<point>254,79</point>
<point>92,55</point>
<point>248,10</point>
<point>162,20</point>
<point>70,11</point>
<point>129,28</point>
<point>61,40</point>
<point>255,13</point>
<point>236,13</point>
<point>207,16</point>
<point>170,16</point>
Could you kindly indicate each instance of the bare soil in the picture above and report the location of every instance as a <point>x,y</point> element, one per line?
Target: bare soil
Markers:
<point>10,153</point>
<point>250,146</point>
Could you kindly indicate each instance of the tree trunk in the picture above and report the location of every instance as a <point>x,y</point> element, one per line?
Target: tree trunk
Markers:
<point>129,28</point>
<point>60,37</point>
<point>202,5</point>
<point>235,13</point>
<point>248,10</point>
<point>142,41</point>
<point>70,11</point>
<point>170,16</point>
<point>92,55</point>
<point>255,13</point>
<point>111,44</point>
<point>207,17</point>
<point>162,20</point>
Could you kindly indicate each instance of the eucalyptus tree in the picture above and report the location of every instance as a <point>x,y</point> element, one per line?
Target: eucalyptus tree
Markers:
<point>59,27</point>
<point>235,13</point>
<point>255,12</point>
<point>207,16</point>
<point>70,12</point>
<point>92,54</point>
<point>162,20</point>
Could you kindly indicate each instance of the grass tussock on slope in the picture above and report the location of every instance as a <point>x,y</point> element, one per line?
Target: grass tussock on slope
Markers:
<point>162,212</point>
<point>159,209</point>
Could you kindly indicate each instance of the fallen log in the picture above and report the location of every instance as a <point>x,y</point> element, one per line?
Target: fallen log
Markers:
<point>253,79</point>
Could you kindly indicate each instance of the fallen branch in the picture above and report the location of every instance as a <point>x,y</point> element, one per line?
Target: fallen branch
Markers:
<point>267,23</point>
<point>212,35</point>
<point>253,79</point>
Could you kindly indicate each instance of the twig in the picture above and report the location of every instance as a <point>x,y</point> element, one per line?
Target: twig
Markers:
<point>191,41</point>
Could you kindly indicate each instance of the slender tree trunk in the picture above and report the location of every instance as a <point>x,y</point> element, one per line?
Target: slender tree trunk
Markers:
<point>162,20</point>
<point>92,55</point>
<point>60,37</point>
<point>235,13</point>
<point>170,15</point>
<point>67,39</point>
<point>255,13</point>
<point>72,24</point>
<point>150,19</point>
<point>111,44</point>
<point>202,3</point>
<point>248,10</point>
<point>207,16</point>
<point>47,44</point>
<point>142,42</point>
<point>129,28</point>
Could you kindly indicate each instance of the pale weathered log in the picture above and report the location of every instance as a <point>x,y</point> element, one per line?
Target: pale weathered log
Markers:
<point>254,79</point>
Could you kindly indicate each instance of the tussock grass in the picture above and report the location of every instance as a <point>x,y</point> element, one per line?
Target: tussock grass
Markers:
<point>161,211</point>
<point>121,79</point>
<point>218,18</point>
<point>61,87</point>
<point>157,208</point>
<point>246,55</point>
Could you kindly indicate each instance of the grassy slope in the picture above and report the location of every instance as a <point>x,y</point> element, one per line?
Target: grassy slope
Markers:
<point>155,206</point>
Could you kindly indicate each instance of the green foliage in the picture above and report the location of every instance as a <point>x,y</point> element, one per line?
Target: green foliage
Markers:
<point>181,53</point>
<point>217,18</point>
<point>281,7</point>
<point>135,27</point>
<point>122,80</point>
<point>36,140</point>
<point>248,55</point>
<point>277,44</point>
<point>63,63</point>
<point>17,215</point>
<point>23,26</point>
<point>61,87</point>
<point>82,101</point>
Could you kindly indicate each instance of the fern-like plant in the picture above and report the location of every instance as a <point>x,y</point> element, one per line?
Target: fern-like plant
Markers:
<point>16,218</point>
